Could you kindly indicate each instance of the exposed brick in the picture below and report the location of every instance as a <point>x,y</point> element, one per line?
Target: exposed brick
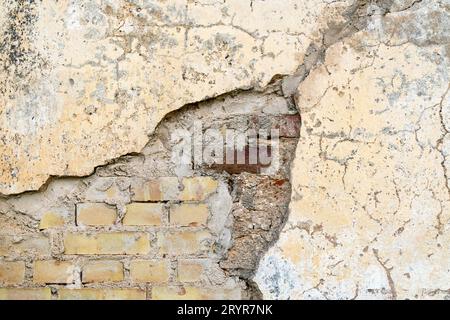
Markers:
<point>155,271</point>
<point>53,272</point>
<point>95,214</point>
<point>36,245</point>
<point>159,189</point>
<point>102,271</point>
<point>289,126</point>
<point>237,161</point>
<point>25,294</point>
<point>184,242</point>
<point>194,293</point>
<point>107,243</point>
<point>143,214</point>
<point>147,191</point>
<point>191,270</point>
<point>51,220</point>
<point>189,214</point>
<point>101,294</point>
<point>12,272</point>
<point>198,188</point>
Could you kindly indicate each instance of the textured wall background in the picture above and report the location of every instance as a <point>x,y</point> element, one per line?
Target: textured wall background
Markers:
<point>369,216</point>
<point>85,82</point>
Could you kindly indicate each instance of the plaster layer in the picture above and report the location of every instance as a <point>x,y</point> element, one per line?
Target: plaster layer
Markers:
<point>84,82</point>
<point>151,226</point>
<point>370,207</point>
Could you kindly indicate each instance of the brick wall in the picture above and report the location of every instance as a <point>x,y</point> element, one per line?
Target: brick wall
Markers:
<point>159,241</point>
<point>144,228</point>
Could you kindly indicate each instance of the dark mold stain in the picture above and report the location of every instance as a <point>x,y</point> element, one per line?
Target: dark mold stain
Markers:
<point>18,59</point>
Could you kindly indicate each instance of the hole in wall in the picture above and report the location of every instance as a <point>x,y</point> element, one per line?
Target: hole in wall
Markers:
<point>171,232</point>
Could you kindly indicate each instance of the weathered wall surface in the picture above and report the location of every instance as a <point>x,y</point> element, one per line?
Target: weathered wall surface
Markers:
<point>370,209</point>
<point>146,227</point>
<point>83,83</point>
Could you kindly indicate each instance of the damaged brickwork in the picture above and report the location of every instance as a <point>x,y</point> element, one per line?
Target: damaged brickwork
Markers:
<point>146,227</point>
<point>92,206</point>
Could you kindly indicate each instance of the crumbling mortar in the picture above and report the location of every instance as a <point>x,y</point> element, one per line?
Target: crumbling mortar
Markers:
<point>75,195</point>
<point>315,58</point>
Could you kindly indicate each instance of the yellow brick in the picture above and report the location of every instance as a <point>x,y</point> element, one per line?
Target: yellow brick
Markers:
<point>53,272</point>
<point>189,214</point>
<point>25,294</point>
<point>193,293</point>
<point>12,272</point>
<point>143,214</point>
<point>51,220</point>
<point>102,271</point>
<point>113,192</point>
<point>101,294</point>
<point>190,270</point>
<point>107,243</point>
<point>4,246</point>
<point>155,271</point>
<point>35,245</point>
<point>95,214</point>
<point>198,188</point>
<point>184,242</point>
<point>147,191</point>
<point>164,188</point>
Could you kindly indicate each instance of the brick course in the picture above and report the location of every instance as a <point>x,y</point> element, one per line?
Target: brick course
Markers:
<point>157,245</point>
